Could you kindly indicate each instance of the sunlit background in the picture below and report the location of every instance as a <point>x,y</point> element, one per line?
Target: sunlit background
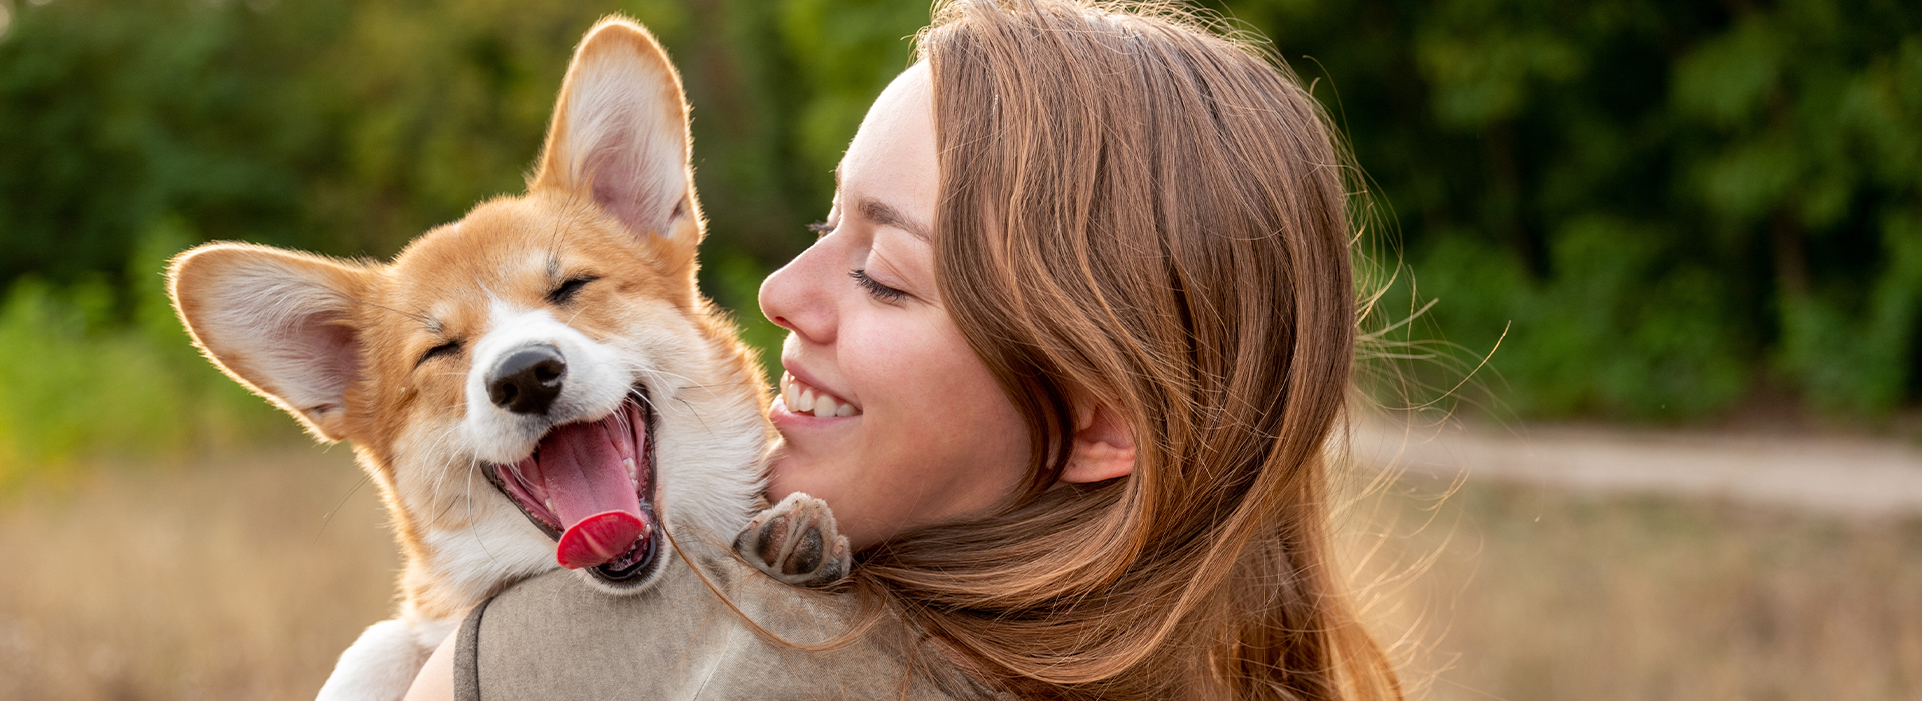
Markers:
<point>1667,427</point>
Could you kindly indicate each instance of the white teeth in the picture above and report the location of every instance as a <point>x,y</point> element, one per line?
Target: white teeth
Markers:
<point>633,475</point>
<point>802,399</point>
<point>550,506</point>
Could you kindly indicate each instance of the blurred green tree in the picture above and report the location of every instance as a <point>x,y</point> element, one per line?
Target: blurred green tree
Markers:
<point>1666,205</point>
<point>349,127</point>
<point>1673,203</point>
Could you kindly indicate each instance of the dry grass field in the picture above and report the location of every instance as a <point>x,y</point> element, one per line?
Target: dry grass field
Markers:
<point>230,581</point>
<point>1532,593</point>
<point>219,581</point>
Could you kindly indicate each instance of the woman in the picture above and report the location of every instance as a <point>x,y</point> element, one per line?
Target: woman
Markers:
<point>1084,309</point>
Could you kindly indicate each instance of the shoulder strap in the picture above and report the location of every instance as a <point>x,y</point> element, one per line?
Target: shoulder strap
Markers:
<point>466,652</point>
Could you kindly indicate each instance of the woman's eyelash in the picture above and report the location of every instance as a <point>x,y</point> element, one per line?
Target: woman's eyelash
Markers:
<point>820,228</point>
<point>876,289</point>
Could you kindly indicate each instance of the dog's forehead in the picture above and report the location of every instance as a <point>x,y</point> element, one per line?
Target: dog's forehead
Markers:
<point>508,248</point>
<point>514,253</point>
<point>495,244</point>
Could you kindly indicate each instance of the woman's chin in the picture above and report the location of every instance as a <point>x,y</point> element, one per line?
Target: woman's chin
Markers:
<point>808,450</point>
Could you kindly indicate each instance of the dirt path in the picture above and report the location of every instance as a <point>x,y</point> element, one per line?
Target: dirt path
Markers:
<point>1857,477</point>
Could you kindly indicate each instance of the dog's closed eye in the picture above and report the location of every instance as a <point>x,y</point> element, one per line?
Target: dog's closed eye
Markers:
<point>565,293</point>
<point>448,348</point>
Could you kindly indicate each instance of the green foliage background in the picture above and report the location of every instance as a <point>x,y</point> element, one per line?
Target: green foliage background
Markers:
<point>1668,206</point>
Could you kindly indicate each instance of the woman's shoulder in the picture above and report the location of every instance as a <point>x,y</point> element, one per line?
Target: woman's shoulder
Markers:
<point>555,637</point>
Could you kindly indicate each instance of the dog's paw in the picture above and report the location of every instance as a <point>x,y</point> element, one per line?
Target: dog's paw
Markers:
<point>796,542</point>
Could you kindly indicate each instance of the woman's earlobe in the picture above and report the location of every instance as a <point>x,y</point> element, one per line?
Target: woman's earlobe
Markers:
<point>1104,445</point>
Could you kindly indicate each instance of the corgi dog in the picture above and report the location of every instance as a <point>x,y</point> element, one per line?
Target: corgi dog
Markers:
<point>537,385</point>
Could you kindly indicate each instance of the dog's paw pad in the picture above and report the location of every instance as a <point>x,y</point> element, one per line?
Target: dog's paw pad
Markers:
<point>796,542</point>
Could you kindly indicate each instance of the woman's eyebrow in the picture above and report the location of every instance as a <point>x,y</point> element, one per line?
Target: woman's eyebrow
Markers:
<point>880,213</point>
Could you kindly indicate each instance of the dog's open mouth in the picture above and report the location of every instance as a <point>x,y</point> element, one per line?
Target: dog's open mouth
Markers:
<point>590,486</point>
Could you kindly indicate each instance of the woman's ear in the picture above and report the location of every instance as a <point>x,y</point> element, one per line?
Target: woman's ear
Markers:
<point>1104,445</point>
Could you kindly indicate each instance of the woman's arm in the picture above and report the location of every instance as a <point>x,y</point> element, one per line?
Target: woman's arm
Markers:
<point>436,679</point>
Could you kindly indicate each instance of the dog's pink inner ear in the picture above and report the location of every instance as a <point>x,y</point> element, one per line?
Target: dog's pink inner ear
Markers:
<point>620,135</point>
<point>335,355</point>
<point>279,322</point>
<point>633,185</point>
<point>307,358</point>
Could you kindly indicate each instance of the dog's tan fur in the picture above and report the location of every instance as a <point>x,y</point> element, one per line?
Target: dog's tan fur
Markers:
<point>345,347</point>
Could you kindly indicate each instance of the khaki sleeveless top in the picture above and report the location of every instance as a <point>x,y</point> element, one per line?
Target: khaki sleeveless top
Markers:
<point>553,637</point>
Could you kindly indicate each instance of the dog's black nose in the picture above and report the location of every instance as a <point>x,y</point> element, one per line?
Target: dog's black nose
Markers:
<point>527,380</point>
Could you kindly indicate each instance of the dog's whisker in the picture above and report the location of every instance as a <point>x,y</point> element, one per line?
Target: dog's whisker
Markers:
<point>437,444</point>
<point>554,238</point>
<point>478,540</point>
<point>422,318</point>
<point>695,412</point>
<point>687,381</point>
<point>329,518</point>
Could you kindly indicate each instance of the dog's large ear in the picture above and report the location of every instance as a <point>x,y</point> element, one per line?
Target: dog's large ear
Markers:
<point>619,137</point>
<point>279,322</point>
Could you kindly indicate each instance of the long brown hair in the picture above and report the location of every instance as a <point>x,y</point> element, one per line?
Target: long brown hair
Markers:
<point>1140,212</point>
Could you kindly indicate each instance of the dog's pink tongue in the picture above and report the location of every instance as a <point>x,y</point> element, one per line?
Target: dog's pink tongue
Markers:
<point>599,538</point>
<point>591,493</point>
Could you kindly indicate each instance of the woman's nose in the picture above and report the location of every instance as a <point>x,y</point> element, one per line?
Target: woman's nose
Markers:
<point>795,298</point>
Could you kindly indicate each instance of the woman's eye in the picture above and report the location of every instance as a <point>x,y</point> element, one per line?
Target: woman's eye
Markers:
<point>565,293</point>
<point>448,348</point>
<point>876,289</point>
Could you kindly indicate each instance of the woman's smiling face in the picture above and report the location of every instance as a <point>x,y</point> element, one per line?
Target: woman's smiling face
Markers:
<point>885,411</point>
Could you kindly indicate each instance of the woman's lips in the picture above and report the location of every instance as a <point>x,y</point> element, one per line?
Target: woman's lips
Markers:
<point>803,398</point>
